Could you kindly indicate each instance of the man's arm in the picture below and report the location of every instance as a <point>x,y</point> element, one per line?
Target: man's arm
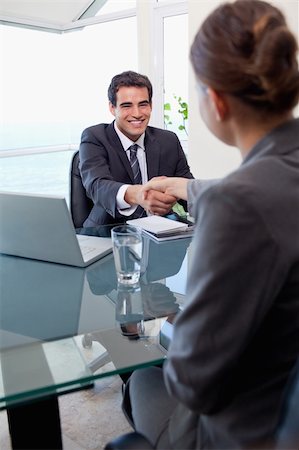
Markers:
<point>103,174</point>
<point>99,164</point>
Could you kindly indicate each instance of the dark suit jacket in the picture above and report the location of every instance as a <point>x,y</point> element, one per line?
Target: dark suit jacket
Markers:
<point>105,166</point>
<point>237,340</point>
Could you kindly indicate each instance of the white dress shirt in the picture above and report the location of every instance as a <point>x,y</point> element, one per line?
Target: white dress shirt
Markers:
<point>123,207</point>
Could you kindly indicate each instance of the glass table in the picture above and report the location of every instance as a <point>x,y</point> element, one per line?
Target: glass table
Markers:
<point>62,327</point>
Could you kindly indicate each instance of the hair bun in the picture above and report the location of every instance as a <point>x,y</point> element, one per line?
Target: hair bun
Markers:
<point>275,61</point>
<point>244,48</point>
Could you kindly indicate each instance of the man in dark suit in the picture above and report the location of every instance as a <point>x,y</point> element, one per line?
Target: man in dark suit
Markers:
<point>105,153</point>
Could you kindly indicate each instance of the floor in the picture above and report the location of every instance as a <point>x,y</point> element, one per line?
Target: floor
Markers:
<point>89,418</point>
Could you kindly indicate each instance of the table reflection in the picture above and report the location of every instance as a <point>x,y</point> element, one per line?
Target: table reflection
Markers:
<point>160,261</point>
<point>38,299</point>
<point>150,298</point>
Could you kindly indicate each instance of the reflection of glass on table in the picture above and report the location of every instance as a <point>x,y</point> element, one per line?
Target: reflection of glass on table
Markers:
<point>129,311</point>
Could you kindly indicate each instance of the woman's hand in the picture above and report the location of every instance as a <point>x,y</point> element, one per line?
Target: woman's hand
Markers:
<point>173,186</point>
<point>153,201</point>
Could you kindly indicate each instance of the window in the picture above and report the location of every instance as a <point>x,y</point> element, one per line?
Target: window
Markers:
<point>95,56</point>
<point>46,173</point>
<point>171,54</point>
<point>176,75</point>
<point>52,86</point>
<point>34,99</point>
<point>55,86</point>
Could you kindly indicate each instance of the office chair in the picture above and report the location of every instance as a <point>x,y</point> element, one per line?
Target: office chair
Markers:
<point>286,436</point>
<point>80,204</point>
<point>80,207</point>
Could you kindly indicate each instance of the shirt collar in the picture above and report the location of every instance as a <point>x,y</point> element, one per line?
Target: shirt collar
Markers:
<point>126,142</point>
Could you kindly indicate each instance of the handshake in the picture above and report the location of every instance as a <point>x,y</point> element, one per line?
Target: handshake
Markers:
<point>158,195</point>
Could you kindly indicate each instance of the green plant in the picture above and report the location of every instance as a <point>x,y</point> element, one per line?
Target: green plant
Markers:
<point>167,121</point>
<point>182,110</point>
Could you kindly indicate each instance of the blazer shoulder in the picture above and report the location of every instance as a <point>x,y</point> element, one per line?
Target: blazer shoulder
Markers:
<point>103,132</point>
<point>158,133</point>
<point>98,129</point>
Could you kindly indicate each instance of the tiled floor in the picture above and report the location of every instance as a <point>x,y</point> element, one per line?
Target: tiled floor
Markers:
<point>89,418</point>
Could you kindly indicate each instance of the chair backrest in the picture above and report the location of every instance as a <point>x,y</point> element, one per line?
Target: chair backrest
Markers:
<point>80,204</point>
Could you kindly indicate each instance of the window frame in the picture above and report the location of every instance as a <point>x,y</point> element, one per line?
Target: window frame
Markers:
<point>162,11</point>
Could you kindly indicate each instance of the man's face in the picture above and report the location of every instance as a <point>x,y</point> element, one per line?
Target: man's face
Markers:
<point>132,111</point>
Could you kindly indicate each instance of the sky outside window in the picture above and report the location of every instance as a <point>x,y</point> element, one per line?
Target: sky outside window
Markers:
<point>56,85</point>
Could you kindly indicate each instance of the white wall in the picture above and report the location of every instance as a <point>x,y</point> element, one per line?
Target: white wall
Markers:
<point>207,156</point>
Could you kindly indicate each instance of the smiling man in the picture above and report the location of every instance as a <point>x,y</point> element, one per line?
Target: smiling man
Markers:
<point>117,158</point>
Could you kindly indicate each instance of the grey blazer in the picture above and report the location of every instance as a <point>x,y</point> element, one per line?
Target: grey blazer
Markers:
<point>235,343</point>
<point>105,167</point>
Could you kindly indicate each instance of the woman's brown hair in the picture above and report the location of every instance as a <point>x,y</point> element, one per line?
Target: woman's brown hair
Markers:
<point>245,49</point>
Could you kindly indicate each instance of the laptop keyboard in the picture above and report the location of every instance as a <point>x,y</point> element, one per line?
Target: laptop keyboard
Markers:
<point>93,246</point>
<point>86,249</point>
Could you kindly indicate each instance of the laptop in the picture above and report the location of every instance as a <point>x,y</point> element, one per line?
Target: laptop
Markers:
<point>40,227</point>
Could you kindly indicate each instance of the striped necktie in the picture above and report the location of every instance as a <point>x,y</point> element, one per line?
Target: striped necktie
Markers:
<point>137,177</point>
<point>135,164</point>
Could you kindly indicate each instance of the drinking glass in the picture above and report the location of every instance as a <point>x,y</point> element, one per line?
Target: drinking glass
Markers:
<point>127,250</point>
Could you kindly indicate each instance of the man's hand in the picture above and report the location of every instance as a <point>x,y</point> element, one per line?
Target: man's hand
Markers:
<point>153,201</point>
<point>158,300</point>
<point>173,186</point>
<point>158,202</point>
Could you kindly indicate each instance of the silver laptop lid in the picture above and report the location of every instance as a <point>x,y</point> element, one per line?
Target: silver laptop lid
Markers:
<point>40,227</point>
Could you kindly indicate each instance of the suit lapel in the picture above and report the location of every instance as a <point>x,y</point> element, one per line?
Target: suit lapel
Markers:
<point>153,152</point>
<point>117,146</point>
<point>152,149</point>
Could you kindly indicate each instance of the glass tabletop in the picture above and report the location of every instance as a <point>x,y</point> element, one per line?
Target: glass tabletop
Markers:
<point>61,327</point>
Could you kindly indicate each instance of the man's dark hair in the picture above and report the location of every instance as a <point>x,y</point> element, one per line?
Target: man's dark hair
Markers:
<point>128,79</point>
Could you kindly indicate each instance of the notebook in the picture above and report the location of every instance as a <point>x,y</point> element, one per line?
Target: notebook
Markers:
<point>40,227</point>
<point>162,228</point>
